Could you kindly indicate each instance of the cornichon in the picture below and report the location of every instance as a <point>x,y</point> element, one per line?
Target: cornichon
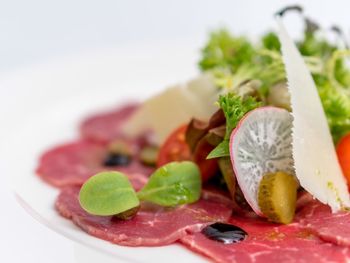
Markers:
<point>277,197</point>
<point>148,155</point>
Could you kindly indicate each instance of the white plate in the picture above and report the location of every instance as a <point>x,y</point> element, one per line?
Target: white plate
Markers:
<point>59,96</point>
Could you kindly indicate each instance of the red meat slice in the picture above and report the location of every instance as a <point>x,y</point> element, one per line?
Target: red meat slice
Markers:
<point>217,195</point>
<point>268,243</point>
<point>319,219</point>
<point>74,163</point>
<point>105,127</point>
<point>152,226</point>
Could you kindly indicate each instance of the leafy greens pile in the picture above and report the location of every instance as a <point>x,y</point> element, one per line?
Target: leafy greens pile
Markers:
<point>234,108</point>
<point>249,69</point>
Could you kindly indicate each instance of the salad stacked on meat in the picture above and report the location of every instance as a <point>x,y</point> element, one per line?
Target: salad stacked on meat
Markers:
<point>210,164</point>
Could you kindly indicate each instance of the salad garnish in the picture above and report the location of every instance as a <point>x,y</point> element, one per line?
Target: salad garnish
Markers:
<point>214,129</point>
<point>234,61</point>
<point>244,76</point>
<point>261,144</point>
<point>175,183</point>
<point>108,193</point>
<point>234,108</point>
<point>111,193</point>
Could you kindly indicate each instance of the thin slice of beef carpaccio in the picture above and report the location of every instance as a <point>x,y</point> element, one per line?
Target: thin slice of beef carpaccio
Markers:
<point>152,225</point>
<point>74,163</point>
<point>268,243</point>
<point>317,236</point>
<point>105,127</point>
<point>332,227</point>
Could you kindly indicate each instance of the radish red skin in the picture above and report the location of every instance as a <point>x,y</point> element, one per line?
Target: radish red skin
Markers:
<point>233,134</point>
<point>232,140</point>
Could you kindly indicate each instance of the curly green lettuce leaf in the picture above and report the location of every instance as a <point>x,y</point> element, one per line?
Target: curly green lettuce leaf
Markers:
<point>234,62</point>
<point>337,109</point>
<point>225,51</point>
<point>270,41</point>
<point>313,45</point>
<point>334,89</point>
<point>234,108</point>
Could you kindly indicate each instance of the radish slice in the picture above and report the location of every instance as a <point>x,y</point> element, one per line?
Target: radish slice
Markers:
<point>260,144</point>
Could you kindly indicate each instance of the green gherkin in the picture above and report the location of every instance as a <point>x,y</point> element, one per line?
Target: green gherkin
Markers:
<point>277,197</point>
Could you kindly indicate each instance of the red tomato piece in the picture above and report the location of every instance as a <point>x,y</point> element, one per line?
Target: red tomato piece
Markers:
<point>343,151</point>
<point>174,148</point>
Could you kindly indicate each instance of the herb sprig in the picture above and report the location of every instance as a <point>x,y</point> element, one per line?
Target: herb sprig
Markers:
<point>234,108</point>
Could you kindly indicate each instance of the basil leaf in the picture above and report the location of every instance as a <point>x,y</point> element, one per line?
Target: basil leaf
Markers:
<point>173,184</point>
<point>108,193</point>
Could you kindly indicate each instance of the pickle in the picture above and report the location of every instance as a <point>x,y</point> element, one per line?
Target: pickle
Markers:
<point>149,155</point>
<point>119,147</point>
<point>277,197</point>
<point>128,214</point>
<point>228,174</point>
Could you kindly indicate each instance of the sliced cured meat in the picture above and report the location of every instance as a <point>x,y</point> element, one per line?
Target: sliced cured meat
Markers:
<point>106,126</point>
<point>318,219</point>
<point>267,243</point>
<point>304,198</point>
<point>152,225</point>
<point>214,194</point>
<point>74,163</point>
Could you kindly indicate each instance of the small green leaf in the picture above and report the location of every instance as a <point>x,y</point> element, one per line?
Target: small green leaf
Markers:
<point>173,184</point>
<point>234,108</point>
<point>107,193</point>
<point>226,50</point>
<point>222,150</point>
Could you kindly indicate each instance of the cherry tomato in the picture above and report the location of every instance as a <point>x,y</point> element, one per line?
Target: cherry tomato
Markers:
<point>175,148</point>
<point>343,151</point>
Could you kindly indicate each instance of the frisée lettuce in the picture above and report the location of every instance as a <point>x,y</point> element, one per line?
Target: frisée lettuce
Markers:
<point>234,108</point>
<point>236,62</point>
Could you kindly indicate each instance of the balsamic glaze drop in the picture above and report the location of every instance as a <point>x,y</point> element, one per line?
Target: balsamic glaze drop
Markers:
<point>224,233</point>
<point>117,160</point>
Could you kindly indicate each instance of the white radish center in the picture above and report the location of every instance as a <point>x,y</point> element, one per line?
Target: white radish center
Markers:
<point>261,144</point>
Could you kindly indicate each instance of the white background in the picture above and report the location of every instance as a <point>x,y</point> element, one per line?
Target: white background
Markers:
<point>39,35</point>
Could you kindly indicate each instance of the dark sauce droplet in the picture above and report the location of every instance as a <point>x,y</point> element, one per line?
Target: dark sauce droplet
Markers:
<point>224,233</point>
<point>117,160</point>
